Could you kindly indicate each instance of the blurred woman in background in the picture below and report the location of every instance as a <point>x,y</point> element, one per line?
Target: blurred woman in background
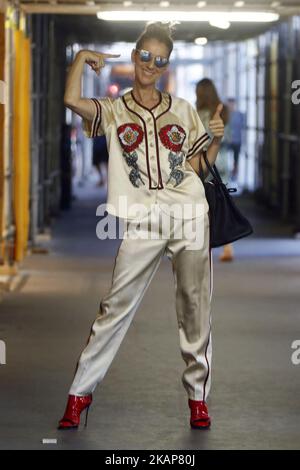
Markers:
<point>207,99</point>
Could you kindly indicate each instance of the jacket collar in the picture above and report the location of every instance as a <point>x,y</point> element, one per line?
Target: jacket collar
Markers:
<point>161,108</point>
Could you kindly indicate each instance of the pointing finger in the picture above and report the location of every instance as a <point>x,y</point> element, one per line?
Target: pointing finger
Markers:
<point>111,55</point>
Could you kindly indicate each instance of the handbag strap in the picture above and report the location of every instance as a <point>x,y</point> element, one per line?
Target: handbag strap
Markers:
<point>213,170</point>
<point>201,173</point>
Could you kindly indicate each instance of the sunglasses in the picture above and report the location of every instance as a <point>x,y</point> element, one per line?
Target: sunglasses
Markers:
<point>146,56</point>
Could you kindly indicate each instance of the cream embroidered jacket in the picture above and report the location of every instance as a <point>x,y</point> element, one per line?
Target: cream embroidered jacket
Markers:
<point>149,152</point>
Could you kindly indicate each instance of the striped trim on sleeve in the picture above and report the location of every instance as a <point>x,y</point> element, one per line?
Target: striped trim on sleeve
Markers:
<point>198,145</point>
<point>97,118</point>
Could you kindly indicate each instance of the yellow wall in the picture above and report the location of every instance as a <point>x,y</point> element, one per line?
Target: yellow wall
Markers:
<point>21,142</point>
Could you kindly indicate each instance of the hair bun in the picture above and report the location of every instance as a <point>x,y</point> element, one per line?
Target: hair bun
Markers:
<point>168,26</point>
<point>158,30</point>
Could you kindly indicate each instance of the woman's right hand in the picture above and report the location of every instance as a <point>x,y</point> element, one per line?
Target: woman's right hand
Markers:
<point>96,59</point>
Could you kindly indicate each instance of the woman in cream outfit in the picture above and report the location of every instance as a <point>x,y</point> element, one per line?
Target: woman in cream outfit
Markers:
<point>155,144</point>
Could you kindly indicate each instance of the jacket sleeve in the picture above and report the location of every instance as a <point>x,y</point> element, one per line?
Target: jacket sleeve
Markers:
<point>103,116</point>
<point>198,136</point>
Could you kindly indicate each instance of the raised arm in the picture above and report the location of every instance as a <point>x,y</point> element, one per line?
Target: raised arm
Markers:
<point>216,127</point>
<point>72,97</point>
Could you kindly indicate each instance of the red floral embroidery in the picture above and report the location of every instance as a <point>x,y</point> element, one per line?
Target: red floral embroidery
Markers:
<point>172,137</point>
<point>130,136</point>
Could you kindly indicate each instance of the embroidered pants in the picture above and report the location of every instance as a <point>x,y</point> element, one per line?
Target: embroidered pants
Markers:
<point>136,262</point>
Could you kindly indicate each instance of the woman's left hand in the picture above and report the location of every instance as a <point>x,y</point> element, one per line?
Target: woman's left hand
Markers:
<point>216,124</point>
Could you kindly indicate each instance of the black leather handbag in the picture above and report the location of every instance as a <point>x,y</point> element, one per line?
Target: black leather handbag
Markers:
<point>227,223</point>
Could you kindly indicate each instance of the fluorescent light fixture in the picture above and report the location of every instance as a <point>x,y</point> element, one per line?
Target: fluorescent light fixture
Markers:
<point>127,3</point>
<point>275,4</point>
<point>239,4</point>
<point>201,4</point>
<point>222,24</point>
<point>200,41</point>
<point>179,15</point>
<point>164,4</point>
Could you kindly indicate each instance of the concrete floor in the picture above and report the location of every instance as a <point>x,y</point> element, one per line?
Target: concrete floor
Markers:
<point>141,403</point>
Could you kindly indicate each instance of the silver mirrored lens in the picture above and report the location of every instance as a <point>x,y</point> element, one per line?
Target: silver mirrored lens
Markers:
<point>161,61</point>
<point>145,56</point>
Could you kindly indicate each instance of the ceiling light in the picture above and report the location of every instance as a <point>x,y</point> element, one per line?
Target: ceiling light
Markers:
<point>200,41</point>
<point>127,3</point>
<point>180,15</point>
<point>201,4</point>
<point>222,24</point>
<point>164,4</point>
<point>239,4</point>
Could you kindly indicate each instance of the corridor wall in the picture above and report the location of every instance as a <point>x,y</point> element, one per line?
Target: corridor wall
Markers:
<point>21,141</point>
<point>260,72</point>
<point>2,100</point>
